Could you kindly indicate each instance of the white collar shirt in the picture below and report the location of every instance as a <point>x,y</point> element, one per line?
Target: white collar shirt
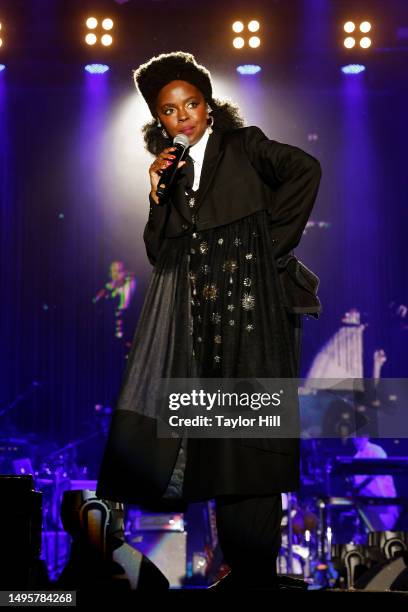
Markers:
<point>196,153</point>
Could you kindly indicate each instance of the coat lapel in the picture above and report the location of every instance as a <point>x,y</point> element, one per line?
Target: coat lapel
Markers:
<point>212,157</point>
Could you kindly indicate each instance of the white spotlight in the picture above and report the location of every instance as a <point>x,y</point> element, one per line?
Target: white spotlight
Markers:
<point>349,42</point>
<point>254,42</point>
<point>365,27</point>
<point>90,39</point>
<point>238,42</point>
<point>91,23</point>
<point>237,26</point>
<point>107,24</point>
<point>106,40</point>
<point>253,26</point>
<point>349,27</point>
<point>365,42</point>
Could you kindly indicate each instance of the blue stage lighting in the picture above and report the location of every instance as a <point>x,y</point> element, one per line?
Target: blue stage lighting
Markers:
<point>2,67</point>
<point>353,69</point>
<point>249,69</point>
<point>96,68</point>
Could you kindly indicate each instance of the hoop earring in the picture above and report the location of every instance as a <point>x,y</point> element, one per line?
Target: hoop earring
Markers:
<point>210,124</point>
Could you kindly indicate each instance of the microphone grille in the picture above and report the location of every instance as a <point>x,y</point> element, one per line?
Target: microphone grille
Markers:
<point>181,139</point>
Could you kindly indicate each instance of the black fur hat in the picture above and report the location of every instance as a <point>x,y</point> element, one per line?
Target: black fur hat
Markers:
<point>157,72</point>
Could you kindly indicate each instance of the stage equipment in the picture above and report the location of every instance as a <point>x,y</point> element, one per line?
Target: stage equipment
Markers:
<point>381,565</point>
<point>100,558</point>
<point>20,534</point>
<point>239,42</point>
<point>357,34</point>
<point>163,539</point>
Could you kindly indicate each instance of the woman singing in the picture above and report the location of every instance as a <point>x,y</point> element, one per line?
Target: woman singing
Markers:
<point>225,301</point>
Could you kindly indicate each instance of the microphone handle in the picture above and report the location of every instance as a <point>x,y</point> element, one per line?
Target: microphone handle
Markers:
<point>168,174</point>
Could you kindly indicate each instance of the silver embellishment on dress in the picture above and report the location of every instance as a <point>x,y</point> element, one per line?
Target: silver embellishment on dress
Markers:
<point>237,241</point>
<point>210,292</point>
<point>231,322</point>
<point>230,265</point>
<point>248,256</point>
<point>199,339</point>
<point>229,292</point>
<point>191,202</point>
<point>249,327</point>
<point>216,318</point>
<point>192,251</point>
<point>205,268</point>
<point>217,339</point>
<point>247,282</point>
<point>248,301</point>
<point>194,235</point>
<point>231,307</point>
<point>217,358</point>
<point>220,240</point>
<point>204,248</point>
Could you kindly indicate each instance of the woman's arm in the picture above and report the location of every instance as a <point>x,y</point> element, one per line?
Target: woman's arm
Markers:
<point>152,234</point>
<point>158,212</point>
<point>295,177</point>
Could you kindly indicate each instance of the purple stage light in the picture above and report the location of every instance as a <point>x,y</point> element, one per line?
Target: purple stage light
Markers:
<point>249,69</point>
<point>353,68</point>
<point>2,67</point>
<point>96,68</point>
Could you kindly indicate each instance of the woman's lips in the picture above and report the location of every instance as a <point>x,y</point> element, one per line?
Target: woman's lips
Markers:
<point>188,131</point>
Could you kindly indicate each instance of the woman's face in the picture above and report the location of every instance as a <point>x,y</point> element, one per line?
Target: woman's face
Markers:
<point>182,109</point>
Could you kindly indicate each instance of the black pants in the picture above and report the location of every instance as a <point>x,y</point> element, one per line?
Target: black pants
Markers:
<point>249,534</point>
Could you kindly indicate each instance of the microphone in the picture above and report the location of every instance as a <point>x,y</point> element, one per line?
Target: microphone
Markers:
<point>181,142</point>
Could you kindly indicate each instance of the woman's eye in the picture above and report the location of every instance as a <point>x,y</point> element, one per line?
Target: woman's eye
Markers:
<point>169,110</point>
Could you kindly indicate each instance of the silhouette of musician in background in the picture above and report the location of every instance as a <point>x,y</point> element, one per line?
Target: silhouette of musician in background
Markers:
<point>381,518</point>
<point>115,323</point>
<point>119,290</point>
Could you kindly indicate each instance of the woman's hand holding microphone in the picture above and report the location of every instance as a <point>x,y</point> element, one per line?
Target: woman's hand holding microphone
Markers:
<point>162,161</point>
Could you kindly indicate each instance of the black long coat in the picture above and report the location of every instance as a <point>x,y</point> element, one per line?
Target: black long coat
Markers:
<point>243,172</point>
